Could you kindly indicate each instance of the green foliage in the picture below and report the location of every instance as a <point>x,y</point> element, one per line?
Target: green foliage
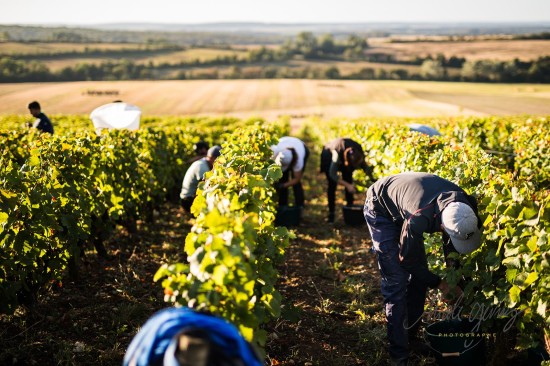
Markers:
<point>54,189</point>
<point>504,163</point>
<point>234,245</point>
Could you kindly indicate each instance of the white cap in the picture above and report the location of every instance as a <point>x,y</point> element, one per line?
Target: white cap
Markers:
<point>284,158</point>
<point>460,222</point>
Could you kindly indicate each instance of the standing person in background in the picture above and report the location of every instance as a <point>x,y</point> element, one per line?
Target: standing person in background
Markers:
<point>399,209</point>
<point>195,174</point>
<point>42,122</point>
<point>291,154</point>
<point>342,155</point>
<point>201,149</point>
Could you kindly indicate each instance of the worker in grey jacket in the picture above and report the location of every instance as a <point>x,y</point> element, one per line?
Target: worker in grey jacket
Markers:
<point>399,209</point>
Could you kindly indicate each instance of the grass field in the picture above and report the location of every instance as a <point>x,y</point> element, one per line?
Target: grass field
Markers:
<point>501,50</point>
<point>155,57</point>
<point>273,98</point>
<point>37,48</point>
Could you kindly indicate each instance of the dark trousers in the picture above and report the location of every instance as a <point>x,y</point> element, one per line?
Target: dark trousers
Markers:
<point>404,297</point>
<point>299,198</point>
<point>347,175</point>
<point>331,190</point>
<point>187,202</point>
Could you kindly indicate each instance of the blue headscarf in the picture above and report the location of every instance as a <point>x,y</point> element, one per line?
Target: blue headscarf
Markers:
<point>162,330</point>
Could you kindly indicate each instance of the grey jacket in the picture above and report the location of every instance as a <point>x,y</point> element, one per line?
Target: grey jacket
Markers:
<point>414,201</point>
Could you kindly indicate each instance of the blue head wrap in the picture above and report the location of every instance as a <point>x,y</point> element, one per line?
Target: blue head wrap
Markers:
<point>162,330</point>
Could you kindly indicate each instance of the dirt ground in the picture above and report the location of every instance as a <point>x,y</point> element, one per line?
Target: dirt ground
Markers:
<point>332,307</point>
<point>329,282</point>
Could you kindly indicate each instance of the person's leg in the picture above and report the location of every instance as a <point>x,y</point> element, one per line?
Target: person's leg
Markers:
<point>385,239</point>
<point>416,297</point>
<point>347,176</point>
<point>299,197</point>
<point>186,203</point>
<point>283,192</point>
<point>331,195</point>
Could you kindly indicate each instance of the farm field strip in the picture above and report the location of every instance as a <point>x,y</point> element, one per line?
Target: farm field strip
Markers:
<point>502,50</point>
<point>268,98</point>
<point>7,48</point>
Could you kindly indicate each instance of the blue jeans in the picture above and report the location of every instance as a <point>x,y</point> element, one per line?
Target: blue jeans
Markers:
<point>403,296</point>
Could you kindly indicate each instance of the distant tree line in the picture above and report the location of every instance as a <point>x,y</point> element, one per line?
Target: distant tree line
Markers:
<point>542,35</point>
<point>538,71</point>
<point>17,33</point>
<point>88,52</point>
<point>269,62</point>
<point>13,71</point>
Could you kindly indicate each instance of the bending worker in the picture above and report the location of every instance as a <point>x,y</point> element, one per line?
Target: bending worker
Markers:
<point>195,174</point>
<point>399,209</point>
<point>342,155</point>
<point>291,154</point>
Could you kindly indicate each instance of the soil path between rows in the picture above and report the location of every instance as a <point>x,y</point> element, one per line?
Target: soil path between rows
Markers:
<point>329,281</point>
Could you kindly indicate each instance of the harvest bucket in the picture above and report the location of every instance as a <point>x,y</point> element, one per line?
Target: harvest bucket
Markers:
<point>353,215</point>
<point>288,216</point>
<point>455,342</point>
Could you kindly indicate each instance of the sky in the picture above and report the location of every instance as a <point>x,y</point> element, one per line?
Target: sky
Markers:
<point>74,12</point>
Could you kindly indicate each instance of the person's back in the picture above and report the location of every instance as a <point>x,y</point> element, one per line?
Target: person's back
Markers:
<point>42,122</point>
<point>193,176</point>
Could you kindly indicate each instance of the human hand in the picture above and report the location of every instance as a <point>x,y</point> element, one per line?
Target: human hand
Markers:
<point>449,293</point>
<point>351,188</point>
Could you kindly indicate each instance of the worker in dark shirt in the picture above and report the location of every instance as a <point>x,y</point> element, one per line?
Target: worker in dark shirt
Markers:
<point>342,155</point>
<point>399,209</point>
<point>42,122</point>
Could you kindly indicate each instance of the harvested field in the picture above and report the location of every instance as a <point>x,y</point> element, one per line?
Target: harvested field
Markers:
<point>501,50</point>
<point>273,98</point>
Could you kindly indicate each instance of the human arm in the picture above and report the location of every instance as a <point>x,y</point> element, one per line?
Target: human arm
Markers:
<point>368,171</point>
<point>413,257</point>
<point>448,292</point>
<point>296,177</point>
<point>412,253</point>
<point>333,172</point>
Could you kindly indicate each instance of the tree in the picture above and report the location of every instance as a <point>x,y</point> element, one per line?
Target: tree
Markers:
<point>327,45</point>
<point>539,72</point>
<point>355,47</point>
<point>366,73</point>
<point>399,74</point>
<point>306,45</point>
<point>433,70</point>
<point>4,36</point>
<point>355,41</point>
<point>332,73</point>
